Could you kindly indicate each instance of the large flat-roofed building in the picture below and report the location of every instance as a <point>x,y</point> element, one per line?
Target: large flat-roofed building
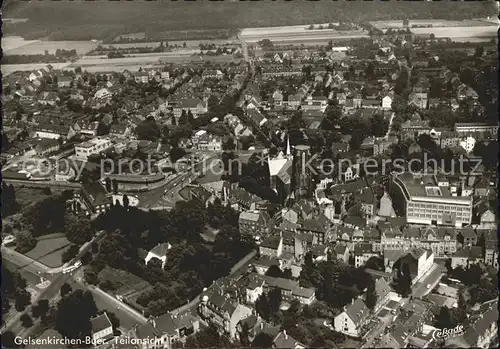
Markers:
<point>93,146</point>
<point>473,127</point>
<point>425,200</point>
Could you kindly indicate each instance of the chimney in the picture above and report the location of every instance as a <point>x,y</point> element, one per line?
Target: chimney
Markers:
<point>352,301</point>
<point>262,325</point>
<point>284,333</point>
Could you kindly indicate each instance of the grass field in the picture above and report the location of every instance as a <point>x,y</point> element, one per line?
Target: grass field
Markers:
<point>49,251</point>
<point>39,47</point>
<point>26,196</point>
<point>125,282</point>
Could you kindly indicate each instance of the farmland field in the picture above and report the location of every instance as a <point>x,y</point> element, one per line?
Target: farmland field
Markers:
<point>463,33</point>
<point>189,43</point>
<point>39,47</point>
<point>12,68</point>
<point>49,251</point>
<point>13,42</point>
<point>398,24</point>
<point>298,33</point>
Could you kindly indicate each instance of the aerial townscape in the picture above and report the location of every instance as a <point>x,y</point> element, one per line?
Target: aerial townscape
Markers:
<point>297,176</point>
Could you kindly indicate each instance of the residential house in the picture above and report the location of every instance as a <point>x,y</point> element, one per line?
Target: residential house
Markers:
<point>141,77</point>
<point>277,98</point>
<point>285,341</point>
<point>195,105</point>
<point>212,74</point>
<point>387,103</point>
<point>102,94</point>
<point>272,246</point>
<point>289,289</point>
<point>46,146</point>
<point>413,128</point>
<point>119,130</point>
<point>48,98</point>
<point>224,313</point>
<point>102,329</point>
<point>342,253</point>
<point>203,140</point>
<point>352,319</point>
<point>64,81</point>
<point>481,331</point>
<point>164,331</point>
<point>294,101</point>
<point>253,223</point>
<point>93,198</point>
<point>95,146</point>
<point>362,253</point>
<point>54,131</point>
<point>87,128</point>
<point>468,235</point>
<point>467,257</point>
<point>419,262</point>
<point>382,290</point>
<point>159,252</point>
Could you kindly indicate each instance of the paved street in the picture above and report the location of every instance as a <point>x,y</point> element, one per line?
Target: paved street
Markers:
<point>432,278</point>
<point>108,303</point>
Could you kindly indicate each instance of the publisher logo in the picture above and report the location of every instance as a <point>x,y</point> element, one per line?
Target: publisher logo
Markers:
<point>448,333</point>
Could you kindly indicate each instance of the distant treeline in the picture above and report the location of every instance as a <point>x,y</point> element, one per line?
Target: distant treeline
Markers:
<point>75,20</point>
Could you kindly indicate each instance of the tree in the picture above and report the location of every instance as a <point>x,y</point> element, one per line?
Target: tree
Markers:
<point>402,283</point>
<point>102,129</point>
<point>125,201</point>
<point>115,186</point>
<point>274,271</point>
<point>65,289</point>
<point>107,183</point>
<point>379,125</point>
<point>357,138</point>
<point>229,144</point>
<point>244,340</point>
<point>176,153</point>
<point>40,309</point>
<point>148,130</point>
<point>479,51</point>
<point>262,306</point>
<point>262,340</point>
<point>74,313</point>
<point>183,119</point>
<point>22,300</point>
<point>69,254</point>
<point>371,296</point>
<point>274,298</point>
<point>190,117</point>
<point>26,320</point>
<point>9,340</point>
<point>445,319</point>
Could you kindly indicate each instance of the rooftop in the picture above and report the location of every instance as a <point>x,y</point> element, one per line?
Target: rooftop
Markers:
<point>427,189</point>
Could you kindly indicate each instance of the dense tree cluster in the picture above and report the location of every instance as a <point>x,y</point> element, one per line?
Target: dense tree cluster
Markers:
<point>14,291</point>
<point>336,283</point>
<point>192,263</point>
<point>9,195</point>
<point>74,312</point>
